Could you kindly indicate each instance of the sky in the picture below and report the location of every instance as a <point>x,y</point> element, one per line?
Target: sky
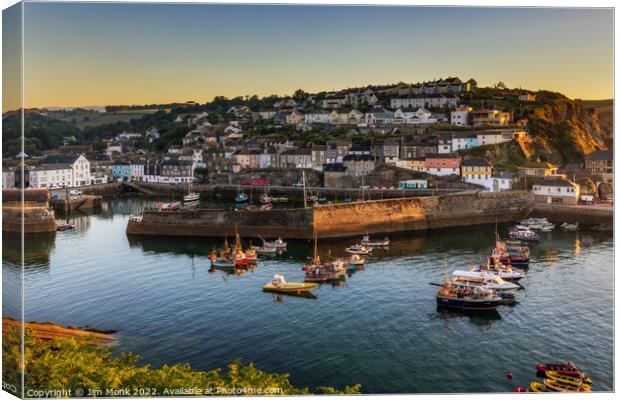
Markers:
<point>95,54</point>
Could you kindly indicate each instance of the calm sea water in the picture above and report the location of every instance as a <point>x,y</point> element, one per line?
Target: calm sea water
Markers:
<point>379,327</point>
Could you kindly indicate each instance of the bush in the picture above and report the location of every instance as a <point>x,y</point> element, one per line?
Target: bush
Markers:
<point>70,364</point>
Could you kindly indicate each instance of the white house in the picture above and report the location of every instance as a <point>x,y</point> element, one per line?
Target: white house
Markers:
<point>493,137</point>
<point>444,144</point>
<point>379,116</point>
<point>556,189</point>
<point>502,181</point>
<point>333,100</point>
<point>138,170</point>
<point>80,168</point>
<point>460,116</point>
<point>113,147</point>
<point>51,175</point>
<point>410,115</point>
<point>462,141</point>
<point>317,117</point>
<point>430,101</point>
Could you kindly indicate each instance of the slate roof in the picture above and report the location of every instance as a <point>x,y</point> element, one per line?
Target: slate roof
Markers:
<point>606,155</point>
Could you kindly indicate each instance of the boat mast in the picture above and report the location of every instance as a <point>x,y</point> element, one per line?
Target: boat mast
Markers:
<point>303,179</point>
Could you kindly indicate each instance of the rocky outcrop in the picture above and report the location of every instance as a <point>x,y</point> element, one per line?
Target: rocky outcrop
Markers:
<point>563,131</point>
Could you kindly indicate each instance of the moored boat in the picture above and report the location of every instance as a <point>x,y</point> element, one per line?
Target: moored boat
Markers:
<point>503,271</point>
<point>279,285</point>
<point>525,235</point>
<point>366,241</point>
<point>484,278</point>
<point>355,259</point>
<point>241,198</point>
<point>569,227</point>
<point>558,386</point>
<point>191,197</point>
<point>570,379</point>
<point>567,368</point>
<point>477,298</point>
<point>359,249</point>
<point>536,386</point>
<point>173,206</point>
<point>266,199</point>
<point>61,227</point>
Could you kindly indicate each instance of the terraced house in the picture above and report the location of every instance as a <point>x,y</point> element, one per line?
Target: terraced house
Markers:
<point>477,171</point>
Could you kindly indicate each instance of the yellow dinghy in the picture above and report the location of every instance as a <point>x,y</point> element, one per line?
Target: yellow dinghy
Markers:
<point>536,386</point>
<point>570,379</point>
<point>557,386</point>
<point>280,285</point>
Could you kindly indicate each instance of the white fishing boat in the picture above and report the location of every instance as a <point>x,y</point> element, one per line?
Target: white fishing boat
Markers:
<point>484,278</point>
<point>276,244</point>
<point>525,235</point>
<point>356,259</point>
<point>569,227</point>
<point>505,272</point>
<point>359,249</point>
<point>191,198</point>
<point>366,241</point>
<point>265,250</point>
<point>547,227</point>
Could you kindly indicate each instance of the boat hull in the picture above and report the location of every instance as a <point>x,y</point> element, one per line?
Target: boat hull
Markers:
<point>293,287</point>
<point>467,304</point>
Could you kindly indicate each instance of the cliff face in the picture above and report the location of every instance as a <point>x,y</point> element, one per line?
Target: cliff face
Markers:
<point>564,131</point>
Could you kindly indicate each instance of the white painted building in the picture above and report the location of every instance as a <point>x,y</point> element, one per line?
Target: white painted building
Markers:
<point>556,189</point>
<point>80,168</point>
<point>8,179</point>
<point>493,137</point>
<point>426,101</point>
<point>460,116</point>
<point>51,176</point>
<point>502,181</point>
<point>317,117</point>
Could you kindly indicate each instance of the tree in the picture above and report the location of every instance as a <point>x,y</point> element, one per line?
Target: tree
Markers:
<point>299,95</point>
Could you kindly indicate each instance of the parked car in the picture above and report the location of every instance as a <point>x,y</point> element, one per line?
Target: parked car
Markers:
<point>75,192</point>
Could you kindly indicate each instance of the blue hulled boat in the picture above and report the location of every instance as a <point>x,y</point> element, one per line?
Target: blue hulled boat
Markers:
<point>475,299</point>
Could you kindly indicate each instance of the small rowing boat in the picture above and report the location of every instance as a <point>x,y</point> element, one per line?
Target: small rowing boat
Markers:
<point>355,260</point>
<point>569,227</point>
<point>557,386</point>
<point>61,227</point>
<point>280,285</point>
<point>570,379</point>
<point>536,386</point>
<point>567,368</point>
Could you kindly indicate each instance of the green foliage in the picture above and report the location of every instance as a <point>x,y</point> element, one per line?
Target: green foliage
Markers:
<point>76,363</point>
<point>40,133</point>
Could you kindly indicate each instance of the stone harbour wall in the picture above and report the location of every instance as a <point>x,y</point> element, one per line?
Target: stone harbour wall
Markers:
<point>291,223</point>
<point>422,213</point>
<point>342,220</point>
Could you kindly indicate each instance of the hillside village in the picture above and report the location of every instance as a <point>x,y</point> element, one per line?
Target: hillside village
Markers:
<point>441,133</point>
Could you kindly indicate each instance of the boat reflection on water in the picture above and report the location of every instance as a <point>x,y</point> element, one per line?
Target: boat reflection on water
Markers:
<point>477,317</point>
<point>228,271</point>
<point>280,297</point>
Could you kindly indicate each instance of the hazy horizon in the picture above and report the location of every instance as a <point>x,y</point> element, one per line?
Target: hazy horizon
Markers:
<point>86,54</point>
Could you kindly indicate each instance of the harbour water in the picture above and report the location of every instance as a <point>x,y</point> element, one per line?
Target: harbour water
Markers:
<point>379,326</point>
